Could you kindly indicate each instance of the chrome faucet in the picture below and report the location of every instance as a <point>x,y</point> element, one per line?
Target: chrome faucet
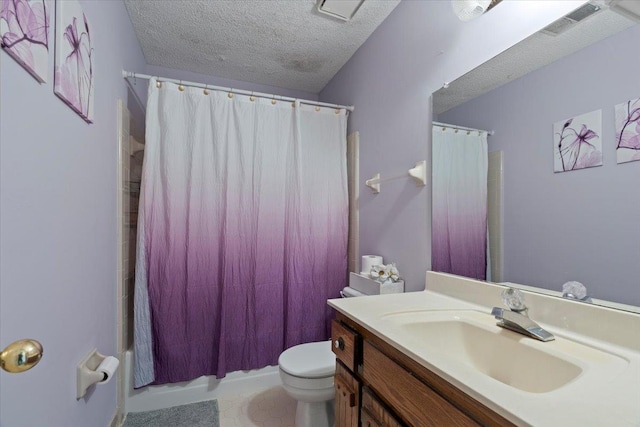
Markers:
<point>516,318</point>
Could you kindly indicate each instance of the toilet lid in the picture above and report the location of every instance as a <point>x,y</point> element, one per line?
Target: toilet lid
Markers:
<point>310,360</point>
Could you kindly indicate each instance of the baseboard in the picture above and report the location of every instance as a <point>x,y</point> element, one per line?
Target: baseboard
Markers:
<point>204,388</point>
<point>115,420</point>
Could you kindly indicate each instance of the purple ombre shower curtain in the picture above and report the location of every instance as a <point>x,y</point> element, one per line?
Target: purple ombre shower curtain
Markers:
<point>459,202</point>
<point>242,237</point>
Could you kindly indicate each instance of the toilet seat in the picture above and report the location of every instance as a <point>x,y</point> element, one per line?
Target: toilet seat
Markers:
<point>310,360</point>
<point>309,384</point>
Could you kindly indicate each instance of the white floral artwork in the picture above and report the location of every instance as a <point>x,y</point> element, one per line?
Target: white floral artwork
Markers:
<point>628,131</point>
<point>24,33</point>
<point>74,72</point>
<point>577,142</point>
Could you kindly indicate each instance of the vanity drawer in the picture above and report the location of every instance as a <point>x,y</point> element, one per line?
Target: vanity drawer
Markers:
<point>412,400</point>
<point>344,343</point>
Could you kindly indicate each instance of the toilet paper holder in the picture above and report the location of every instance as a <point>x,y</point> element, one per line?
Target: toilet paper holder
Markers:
<point>87,372</point>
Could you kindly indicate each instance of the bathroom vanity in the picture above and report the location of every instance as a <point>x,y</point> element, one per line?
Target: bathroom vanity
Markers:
<point>373,376</point>
<point>437,358</point>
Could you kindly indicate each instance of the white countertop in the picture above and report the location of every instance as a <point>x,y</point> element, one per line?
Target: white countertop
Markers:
<point>609,397</point>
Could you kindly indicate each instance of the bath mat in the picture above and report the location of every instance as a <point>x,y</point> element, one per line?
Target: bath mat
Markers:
<point>201,414</point>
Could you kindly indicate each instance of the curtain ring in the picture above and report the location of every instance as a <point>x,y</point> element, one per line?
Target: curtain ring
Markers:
<point>205,91</point>
<point>337,111</point>
<point>252,98</point>
<point>230,94</point>
<point>317,108</point>
<point>457,130</point>
<point>180,87</point>
<point>468,132</point>
<point>158,83</point>
<point>444,129</point>
<point>273,100</point>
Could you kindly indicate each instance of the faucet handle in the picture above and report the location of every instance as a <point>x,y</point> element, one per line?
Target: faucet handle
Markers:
<point>576,291</point>
<point>514,299</point>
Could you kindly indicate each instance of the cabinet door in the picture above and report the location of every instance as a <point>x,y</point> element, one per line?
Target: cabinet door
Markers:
<point>347,402</point>
<point>374,413</point>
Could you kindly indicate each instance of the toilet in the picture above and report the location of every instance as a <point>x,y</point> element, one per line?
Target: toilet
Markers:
<point>306,371</point>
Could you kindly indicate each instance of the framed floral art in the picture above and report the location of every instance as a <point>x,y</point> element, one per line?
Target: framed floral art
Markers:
<point>24,32</point>
<point>74,59</point>
<point>577,142</point>
<point>628,131</point>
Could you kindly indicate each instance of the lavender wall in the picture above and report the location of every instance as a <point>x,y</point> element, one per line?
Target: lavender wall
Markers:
<point>155,70</point>
<point>389,80</point>
<point>58,229</point>
<point>580,225</point>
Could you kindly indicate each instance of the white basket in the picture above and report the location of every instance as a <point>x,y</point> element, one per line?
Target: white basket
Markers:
<point>368,286</point>
<point>392,287</point>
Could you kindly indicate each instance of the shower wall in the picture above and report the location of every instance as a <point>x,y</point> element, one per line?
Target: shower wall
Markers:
<point>353,171</point>
<point>494,215</point>
<point>130,156</point>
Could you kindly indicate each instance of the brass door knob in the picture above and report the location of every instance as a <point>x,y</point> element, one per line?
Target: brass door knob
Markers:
<point>21,356</point>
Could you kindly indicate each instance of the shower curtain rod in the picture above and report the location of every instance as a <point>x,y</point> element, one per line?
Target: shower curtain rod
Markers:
<point>439,124</point>
<point>130,74</point>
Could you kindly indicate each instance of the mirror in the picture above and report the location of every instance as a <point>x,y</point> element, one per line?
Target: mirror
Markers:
<point>547,228</point>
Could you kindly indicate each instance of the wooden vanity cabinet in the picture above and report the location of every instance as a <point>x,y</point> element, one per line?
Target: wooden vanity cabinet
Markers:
<point>377,385</point>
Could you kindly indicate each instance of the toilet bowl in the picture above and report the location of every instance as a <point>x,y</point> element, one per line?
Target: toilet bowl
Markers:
<point>306,371</point>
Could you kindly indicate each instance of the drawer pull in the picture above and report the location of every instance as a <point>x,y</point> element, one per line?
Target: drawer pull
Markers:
<point>339,343</point>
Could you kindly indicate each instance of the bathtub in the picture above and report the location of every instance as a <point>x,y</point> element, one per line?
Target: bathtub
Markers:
<point>204,388</point>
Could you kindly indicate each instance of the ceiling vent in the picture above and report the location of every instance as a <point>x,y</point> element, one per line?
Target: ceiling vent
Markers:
<point>340,9</point>
<point>569,21</point>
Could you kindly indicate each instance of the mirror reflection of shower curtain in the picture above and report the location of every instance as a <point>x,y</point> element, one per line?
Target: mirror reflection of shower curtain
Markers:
<point>242,235</point>
<point>459,211</point>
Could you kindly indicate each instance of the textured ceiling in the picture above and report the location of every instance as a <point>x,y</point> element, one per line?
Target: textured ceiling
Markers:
<point>284,43</point>
<point>532,53</point>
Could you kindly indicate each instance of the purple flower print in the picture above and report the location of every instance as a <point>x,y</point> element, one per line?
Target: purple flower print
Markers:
<point>579,152</point>
<point>628,131</point>
<point>631,124</point>
<point>74,76</point>
<point>25,26</point>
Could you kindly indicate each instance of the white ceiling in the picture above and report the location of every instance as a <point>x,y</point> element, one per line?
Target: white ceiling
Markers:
<point>535,52</point>
<point>284,43</point>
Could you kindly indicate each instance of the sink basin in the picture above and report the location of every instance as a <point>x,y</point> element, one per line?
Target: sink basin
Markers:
<point>472,338</point>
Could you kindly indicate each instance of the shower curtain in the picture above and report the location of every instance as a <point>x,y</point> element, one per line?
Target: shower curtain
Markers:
<point>459,223</point>
<point>243,226</point>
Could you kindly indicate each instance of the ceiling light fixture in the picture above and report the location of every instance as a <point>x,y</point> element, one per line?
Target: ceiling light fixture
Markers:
<point>628,8</point>
<point>466,10</point>
<point>340,9</point>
